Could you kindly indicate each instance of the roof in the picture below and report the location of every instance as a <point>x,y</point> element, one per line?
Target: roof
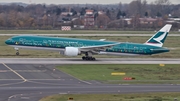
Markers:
<point>147,19</point>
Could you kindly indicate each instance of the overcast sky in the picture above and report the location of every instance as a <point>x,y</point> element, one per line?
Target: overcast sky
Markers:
<point>79,1</point>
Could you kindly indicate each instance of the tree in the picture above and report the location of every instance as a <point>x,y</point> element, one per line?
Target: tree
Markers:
<point>2,20</point>
<point>63,9</point>
<point>159,14</point>
<point>12,19</point>
<point>163,6</point>
<point>124,14</point>
<point>108,13</point>
<point>135,7</point>
<point>113,14</point>
<point>119,14</point>
<point>120,5</point>
<point>162,2</point>
<point>83,11</point>
<point>144,6</point>
<point>33,15</point>
<point>102,20</point>
<point>135,21</point>
<point>73,12</point>
<point>20,8</point>
<point>58,11</point>
<point>45,18</point>
<point>44,6</point>
<point>96,15</point>
<point>68,15</point>
<point>146,14</point>
<point>78,22</point>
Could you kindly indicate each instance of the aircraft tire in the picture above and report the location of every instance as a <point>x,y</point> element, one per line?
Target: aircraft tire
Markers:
<point>17,53</point>
<point>83,58</point>
<point>93,58</point>
<point>88,58</point>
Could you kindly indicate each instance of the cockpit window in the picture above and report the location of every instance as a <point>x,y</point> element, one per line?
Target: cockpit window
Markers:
<point>9,39</point>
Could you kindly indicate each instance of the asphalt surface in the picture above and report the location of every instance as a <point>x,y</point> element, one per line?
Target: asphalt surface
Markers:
<point>31,82</point>
<point>87,34</point>
<point>98,61</point>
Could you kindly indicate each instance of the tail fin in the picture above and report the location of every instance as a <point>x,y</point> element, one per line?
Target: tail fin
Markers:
<point>159,38</point>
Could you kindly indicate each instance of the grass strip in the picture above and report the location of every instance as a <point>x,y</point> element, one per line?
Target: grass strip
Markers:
<point>143,73</point>
<point>170,96</point>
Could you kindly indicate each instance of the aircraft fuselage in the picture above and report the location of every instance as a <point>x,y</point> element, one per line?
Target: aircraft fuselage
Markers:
<point>58,44</point>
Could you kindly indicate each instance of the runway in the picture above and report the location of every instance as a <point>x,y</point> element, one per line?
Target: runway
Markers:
<point>98,61</point>
<point>30,82</point>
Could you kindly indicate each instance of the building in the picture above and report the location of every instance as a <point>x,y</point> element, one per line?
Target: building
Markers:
<point>89,19</point>
<point>147,20</point>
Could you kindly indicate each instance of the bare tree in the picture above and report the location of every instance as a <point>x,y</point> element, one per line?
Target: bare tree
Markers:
<point>162,6</point>
<point>2,19</point>
<point>135,7</point>
<point>144,8</point>
<point>38,15</point>
<point>102,20</point>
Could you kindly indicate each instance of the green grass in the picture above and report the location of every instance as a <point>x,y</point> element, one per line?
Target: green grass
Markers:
<point>171,42</point>
<point>149,73</point>
<point>76,32</point>
<point>115,97</point>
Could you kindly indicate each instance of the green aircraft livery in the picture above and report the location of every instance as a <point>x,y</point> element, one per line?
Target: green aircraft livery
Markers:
<point>74,46</point>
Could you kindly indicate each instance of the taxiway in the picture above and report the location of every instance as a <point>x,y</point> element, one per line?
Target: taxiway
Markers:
<point>21,80</point>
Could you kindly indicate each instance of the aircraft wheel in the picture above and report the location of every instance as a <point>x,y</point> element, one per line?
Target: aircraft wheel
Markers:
<point>88,58</point>
<point>93,58</point>
<point>83,58</point>
<point>17,53</point>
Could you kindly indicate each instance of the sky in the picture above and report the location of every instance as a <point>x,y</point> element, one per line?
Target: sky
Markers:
<point>78,1</point>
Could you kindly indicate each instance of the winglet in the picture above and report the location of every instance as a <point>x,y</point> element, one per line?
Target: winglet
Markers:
<point>159,38</point>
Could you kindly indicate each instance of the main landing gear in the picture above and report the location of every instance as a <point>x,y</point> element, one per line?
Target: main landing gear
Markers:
<point>88,56</point>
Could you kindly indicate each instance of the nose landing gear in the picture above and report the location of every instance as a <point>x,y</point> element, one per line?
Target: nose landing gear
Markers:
<point>17,51</point>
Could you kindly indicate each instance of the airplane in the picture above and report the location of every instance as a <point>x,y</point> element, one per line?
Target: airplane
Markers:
<point>75,46</point>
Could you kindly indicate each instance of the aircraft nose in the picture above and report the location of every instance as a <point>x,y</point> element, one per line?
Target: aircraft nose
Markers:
<point>7,41</point>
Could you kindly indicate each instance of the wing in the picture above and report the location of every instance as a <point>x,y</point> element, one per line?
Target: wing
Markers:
<point>102,39</point>
<point>97,48</point>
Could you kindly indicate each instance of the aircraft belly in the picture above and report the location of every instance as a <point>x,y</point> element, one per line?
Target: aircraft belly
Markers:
<point>118,54</point>
<point>38,48</point>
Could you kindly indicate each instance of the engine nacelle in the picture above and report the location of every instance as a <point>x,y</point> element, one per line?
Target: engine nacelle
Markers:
<point>71,51</point>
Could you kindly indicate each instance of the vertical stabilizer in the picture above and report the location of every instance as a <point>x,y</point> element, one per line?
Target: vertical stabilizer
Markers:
<point>159,38</point>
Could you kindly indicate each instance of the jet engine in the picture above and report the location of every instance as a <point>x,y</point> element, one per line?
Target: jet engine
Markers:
<point>71,51</point>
